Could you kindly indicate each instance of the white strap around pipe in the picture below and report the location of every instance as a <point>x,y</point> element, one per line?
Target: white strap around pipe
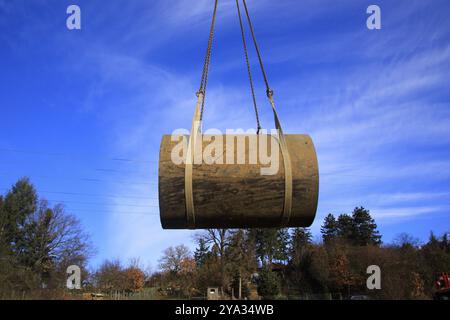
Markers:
<point>190,155</point>
<point>287,208</point>
<point>188,190</point>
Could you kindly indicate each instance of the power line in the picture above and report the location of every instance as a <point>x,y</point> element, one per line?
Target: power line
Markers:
<point>87,194</point>
<point>144,172</point>
<point>58,154</point>
<point>126,182</point>
<point>337,174</point>
<point>113,212</point>
<point>121,171</point>
<point>121,212</point>
<point>103,203</point>
<point>94,195</point>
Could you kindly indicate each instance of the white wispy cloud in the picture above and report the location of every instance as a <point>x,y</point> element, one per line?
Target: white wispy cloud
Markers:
<point>405,212</point>
<point>414,196</point>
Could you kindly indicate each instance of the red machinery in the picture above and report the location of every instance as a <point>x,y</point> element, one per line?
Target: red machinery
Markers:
<point>442,286</point>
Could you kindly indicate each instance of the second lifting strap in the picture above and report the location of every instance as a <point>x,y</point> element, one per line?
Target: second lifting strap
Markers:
<point>190,156</point>
<point>287,207</point>
<point>196,126</point>
<point>194,136</point>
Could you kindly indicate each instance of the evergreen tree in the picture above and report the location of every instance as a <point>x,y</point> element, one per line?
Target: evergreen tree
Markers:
<point>264,241</point>
<point>445,243</point>
<point>270,244</point>
<point>268,284</point>
<point>201,252</point>
<point>364,228</point>
<point>346,228</point>
<point>300,239</point>
<point>18,205</point>
<point>433,241</point>
<point>282,245</point>
<point>240,261</point>
<point>329,229</point>
<point>240,254</point>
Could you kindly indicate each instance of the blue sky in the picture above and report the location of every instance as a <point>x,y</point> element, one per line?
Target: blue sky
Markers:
<point>82,112</point>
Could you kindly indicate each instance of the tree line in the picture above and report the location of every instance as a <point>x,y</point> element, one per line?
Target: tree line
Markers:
<point>38,242</point>
<point>287,263</point>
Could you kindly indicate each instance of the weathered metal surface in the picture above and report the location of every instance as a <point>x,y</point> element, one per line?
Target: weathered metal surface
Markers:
<point>237,195</point>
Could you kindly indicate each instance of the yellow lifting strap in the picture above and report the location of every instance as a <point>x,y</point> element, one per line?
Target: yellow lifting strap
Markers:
<point>287,208</point>
<point>188,190</point>
<point>190,156</point>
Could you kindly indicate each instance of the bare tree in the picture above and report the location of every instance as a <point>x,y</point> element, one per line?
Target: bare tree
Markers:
<point>218,239</point>
<point>54,236</point>
<point>173,258</point>
<point>406,240</point>
<point>110,276</point>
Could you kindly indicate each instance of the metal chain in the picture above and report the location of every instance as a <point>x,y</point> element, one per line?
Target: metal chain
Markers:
<point>204,80</point>
<point>269,91</point>
<point>258,124</point>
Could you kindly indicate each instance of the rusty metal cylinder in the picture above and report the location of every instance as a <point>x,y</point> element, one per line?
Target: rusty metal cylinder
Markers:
<point>240,188</point>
